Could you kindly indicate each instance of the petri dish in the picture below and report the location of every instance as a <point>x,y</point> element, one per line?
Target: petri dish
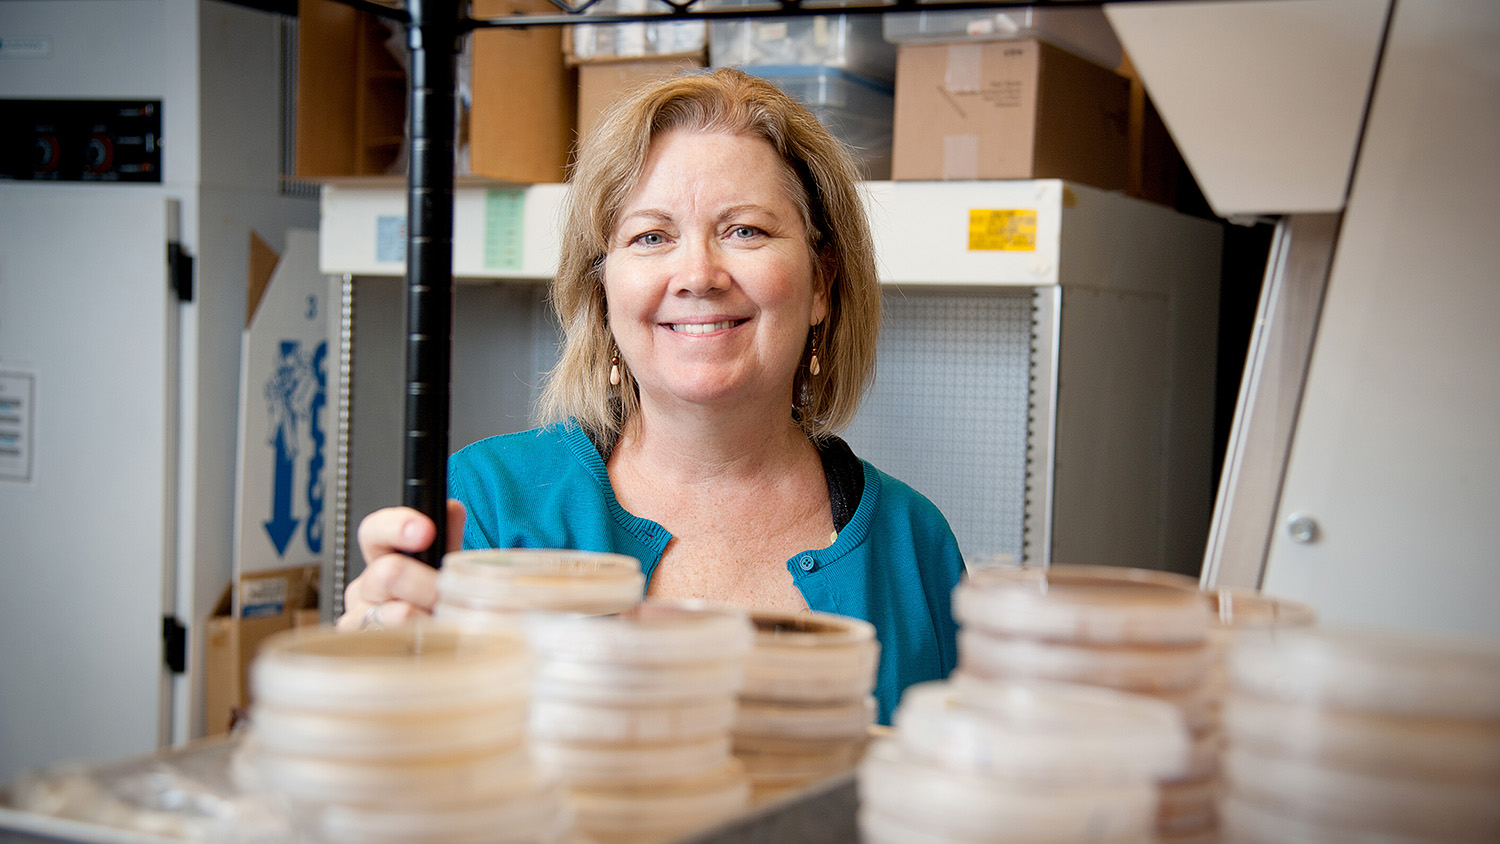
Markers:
<point>1376,671</point>
<point>972,805</point>
<point>585,765</point>
<point>569,721</point>
<point>1083,604</point>
<point>1136,668</point>
<point>805,721</point>
<point>634,685</point>
<point>389,737</point>
<point>535,814</point>
<point>810,658</point>
<point>1440,747</point>
<point>524,578</point>
<point>413,668</point>
<point>1408,805</point>
<point>1052,732</point>
<point>651,633</point>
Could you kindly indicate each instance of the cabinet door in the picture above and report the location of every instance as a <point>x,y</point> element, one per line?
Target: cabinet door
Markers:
<point>87,324</point>
<point>1394,475</point>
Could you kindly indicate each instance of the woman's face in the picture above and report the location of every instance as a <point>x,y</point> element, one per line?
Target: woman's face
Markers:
<point>709,275</point>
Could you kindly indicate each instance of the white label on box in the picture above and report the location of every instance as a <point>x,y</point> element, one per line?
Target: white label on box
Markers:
<point>25,46</point>
<point>262,597</point>
<point>16,402</point>
<point>773,31</point>
<point>390,239</point>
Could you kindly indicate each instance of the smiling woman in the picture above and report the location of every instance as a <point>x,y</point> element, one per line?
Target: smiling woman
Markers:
<point>719,305</point>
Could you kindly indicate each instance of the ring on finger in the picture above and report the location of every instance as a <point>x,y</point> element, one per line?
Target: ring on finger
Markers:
<point>371,619</point>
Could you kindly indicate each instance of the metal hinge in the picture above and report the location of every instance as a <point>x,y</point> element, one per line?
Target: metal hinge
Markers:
<point>179,262</point>
<point>174,644</point>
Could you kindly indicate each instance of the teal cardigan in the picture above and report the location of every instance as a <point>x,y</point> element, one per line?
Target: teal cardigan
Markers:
<point>894,564</point>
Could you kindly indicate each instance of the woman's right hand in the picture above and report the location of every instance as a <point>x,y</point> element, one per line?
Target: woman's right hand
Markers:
<point>394,587</point>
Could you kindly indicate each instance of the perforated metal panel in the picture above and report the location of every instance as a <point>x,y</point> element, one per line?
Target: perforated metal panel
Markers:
<point>948,411</point>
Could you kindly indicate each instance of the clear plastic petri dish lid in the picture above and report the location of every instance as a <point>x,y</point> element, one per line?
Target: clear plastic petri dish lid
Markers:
<point>1096,604</point>
<point>1040,731</point>
<point>570,721</point>
<point>529,578</point>
<point>585,765</point>
<point>651,633</point>
<point>966,805</point>
<point>1443,747</point>
<point>537,813</point>
<point>429,783</point>
<point>810,658</point>
<point>850,720</point>
<point>412,668</point>
<point>1135,668</point>
<point>715,795</point>
<point>1247,822</point>
<point>1396,673</point>
<point>614,684</point>
<point>1247,609</point>
<point>339,736</point>
<point>1407,804</point>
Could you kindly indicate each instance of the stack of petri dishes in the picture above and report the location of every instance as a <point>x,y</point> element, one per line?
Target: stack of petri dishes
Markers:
<point>1362,736</point>
<point>633,711</point>
<point>496,588</point>
<point>977,761</point>
<point>1132,630</point>
<point>806,707</point>
<point>412,734</point>
<point>1239,615</point>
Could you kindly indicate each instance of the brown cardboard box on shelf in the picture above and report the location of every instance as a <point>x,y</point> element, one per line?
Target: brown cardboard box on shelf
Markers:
<point>269,602</point>
<point>602,82</point>
<point>1019,109</point>
<point>521,125</point>
<point>351,96</point>
<point>1156,167</point>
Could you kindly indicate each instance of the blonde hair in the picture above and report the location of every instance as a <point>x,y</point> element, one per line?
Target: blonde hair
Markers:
<point>820,175</point>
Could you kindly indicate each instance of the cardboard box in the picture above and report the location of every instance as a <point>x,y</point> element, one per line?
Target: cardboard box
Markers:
<point>259,605</point>
<point>522,123</point>
<point>600,83</point>
<point>351,97</point>
<point>1009,110</point>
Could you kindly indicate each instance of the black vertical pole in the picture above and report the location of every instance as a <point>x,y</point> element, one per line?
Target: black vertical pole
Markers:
<point>432,36</point>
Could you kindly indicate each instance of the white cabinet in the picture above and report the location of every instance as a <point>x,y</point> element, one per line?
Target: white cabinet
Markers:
<point>1045,371</point>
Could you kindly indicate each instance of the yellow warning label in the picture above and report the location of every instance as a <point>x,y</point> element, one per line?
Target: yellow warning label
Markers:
<point>1010,230</point>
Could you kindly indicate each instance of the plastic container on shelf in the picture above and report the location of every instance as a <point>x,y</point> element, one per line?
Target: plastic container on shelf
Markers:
<point>500,586</point>
<point>638,39</point>
<point>859,110</point>
<point>1082,31</point>
<point>846,42</point>
<point>1100,605</point>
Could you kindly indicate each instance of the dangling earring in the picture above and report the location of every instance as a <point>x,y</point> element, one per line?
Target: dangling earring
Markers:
<point>614,370</point>
<point>812,364</point>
